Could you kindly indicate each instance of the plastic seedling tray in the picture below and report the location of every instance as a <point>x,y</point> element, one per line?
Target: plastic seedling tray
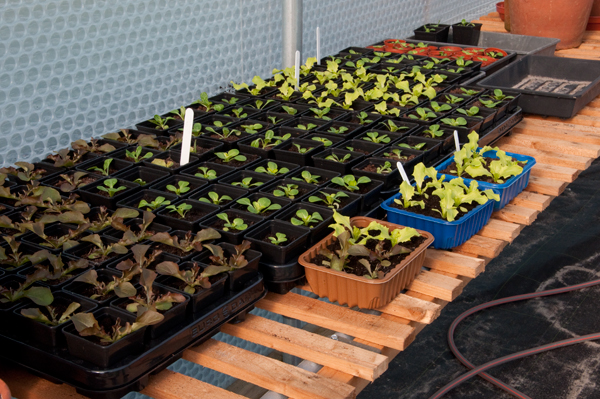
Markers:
<point>521,44</point>
<point>551,86</point>
<point>131,373</point>
<point>507,190</point>
<point>501,63</point>
<point>447,234</point>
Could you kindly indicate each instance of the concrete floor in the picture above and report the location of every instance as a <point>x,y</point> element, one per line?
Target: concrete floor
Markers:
<point>561,248</point>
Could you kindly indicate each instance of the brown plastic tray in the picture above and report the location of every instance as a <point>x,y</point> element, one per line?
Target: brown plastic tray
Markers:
<point>349,289</point>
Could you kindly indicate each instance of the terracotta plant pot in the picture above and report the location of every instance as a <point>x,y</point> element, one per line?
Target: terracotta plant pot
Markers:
<point>594,21</point>
<point>562,19</point>
<point>500,9</point>
<point>359,291</point>
<point>4,391</point>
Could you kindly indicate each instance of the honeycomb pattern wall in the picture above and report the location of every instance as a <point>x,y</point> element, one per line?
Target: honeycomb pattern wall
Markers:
<point>79,68</point>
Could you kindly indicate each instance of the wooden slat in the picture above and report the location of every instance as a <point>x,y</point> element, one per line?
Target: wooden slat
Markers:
<point>553,126</point>
<point>551,158</point>
<point>347,321</point>
<point>313,347</point>
<point>501,230</point>
<point>582,120</point>
<point>554,145</point>
<point>454,263</point>
<point>542,185</point>
<point>482,246</point>
<point>516,214</point>
<point>171,385</point>
<point>266,372</point>
<point>436,285</point>
<point>555,172</point>
<point>412,308</point>
<point>535,201</point>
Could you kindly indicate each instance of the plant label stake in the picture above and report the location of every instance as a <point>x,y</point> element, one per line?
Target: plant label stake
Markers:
<point>456,142</point>
<point>297,74</point>
<point>402,171</point>
<point>186,143</point>
<point>318,46</point>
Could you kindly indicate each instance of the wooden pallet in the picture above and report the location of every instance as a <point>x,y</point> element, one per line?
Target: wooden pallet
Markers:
<point>562,148</point>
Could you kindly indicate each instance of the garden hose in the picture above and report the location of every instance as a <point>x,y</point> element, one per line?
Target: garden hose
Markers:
<point>480,370</point>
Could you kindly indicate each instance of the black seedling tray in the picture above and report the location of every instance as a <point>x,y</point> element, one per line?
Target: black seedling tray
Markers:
<point>490,69</point>
<point>131,373</point>
<point>551,86</point>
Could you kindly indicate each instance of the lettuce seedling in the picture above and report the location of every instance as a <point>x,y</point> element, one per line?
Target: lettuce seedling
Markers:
<point>109,187</point>
<point>437,107</point>
<point>302,150</point>
<point>237,224</point>
<point>153,205</point>
<point>325,141</point>
<point>350,183</point>
<point>333,200</point>
<point>305,218</point>
<point>25,172</point>
<point>289,190</point>
<point>54,318</point>
<point>270,140</point>
<point>161,123</point>
<point>72,182</point>
<point>188,243</point>
<point>337,259</point>
<point>231,155</point>
<point>102,251</point>
<point>272,169</point>
<point>92,146</point>
<point>149,300</point>
<point>182,187</point>
<point>434,131</point>
<point>39,295</point>
<point>279,239</point>
<point>417,147</point>
<point>87,325</point>
<point>219,263</point>
<point>207,104</point>
<point>57,269</point>
<point>181,209</point>
<point>136,154</point>
<point>206,173</point>
<point>259,206</point>
<point>16,259</point>
<point>375,137</point>
<point>408,192</point>
<point>121,286</point>
<point>460,121</point>
<point>104,219</point>
<point>392,127</point>
<point>335,158</point>
<point>129,236</point>
<point>307,177</point>
<point>247,183</point>
<point>165,163</point>
<point>193,277</point>
<point>423,114</point>
<point>64,242</point>
<point>384,169</point>
<point>105,169</point>
<point>214,198</point>
<point>472,112</point>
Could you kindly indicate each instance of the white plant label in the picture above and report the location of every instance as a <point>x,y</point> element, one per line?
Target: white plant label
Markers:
<point>297,70</point>
<point>318,46</point>
<point>402,171</point>
<point>186,143</point>
<point>456,142</point>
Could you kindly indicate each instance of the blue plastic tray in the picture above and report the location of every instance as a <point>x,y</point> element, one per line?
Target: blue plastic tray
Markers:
<point>507,190</point>
<point>447,234</point>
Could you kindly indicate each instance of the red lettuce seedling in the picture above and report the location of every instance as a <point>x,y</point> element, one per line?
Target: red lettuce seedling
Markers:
<point>87,325</point>
<point>149,300</point>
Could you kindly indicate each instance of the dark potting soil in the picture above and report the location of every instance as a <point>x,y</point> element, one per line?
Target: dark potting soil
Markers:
<point>362,189</point>
<point>191,215</point>
<point>432,202</point>
<point>9,201</point>
<point>230,138</point>
<point>171,250</point>
<point>417,116</point>
<point>290,239</point>
<point>301,192</point>
<point>220,224</point>
<point>169,160</point>
<point>355,267</point>
<point>373,168</point>
<point>97,261</point>
<point>486,164</point>
<point>106,323</point>
<point>359,150</point>
<point>5,231</point>
<point>88,290</point>
<point>82,182</point>
<point>343,201</point>
<point>237,164</point>
<point>199,150</point>
<point>111,171</point>
<point>401,158</point>
<point>293,148</point>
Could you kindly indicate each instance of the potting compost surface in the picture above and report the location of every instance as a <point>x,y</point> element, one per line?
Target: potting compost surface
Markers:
<point>550,85</point>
